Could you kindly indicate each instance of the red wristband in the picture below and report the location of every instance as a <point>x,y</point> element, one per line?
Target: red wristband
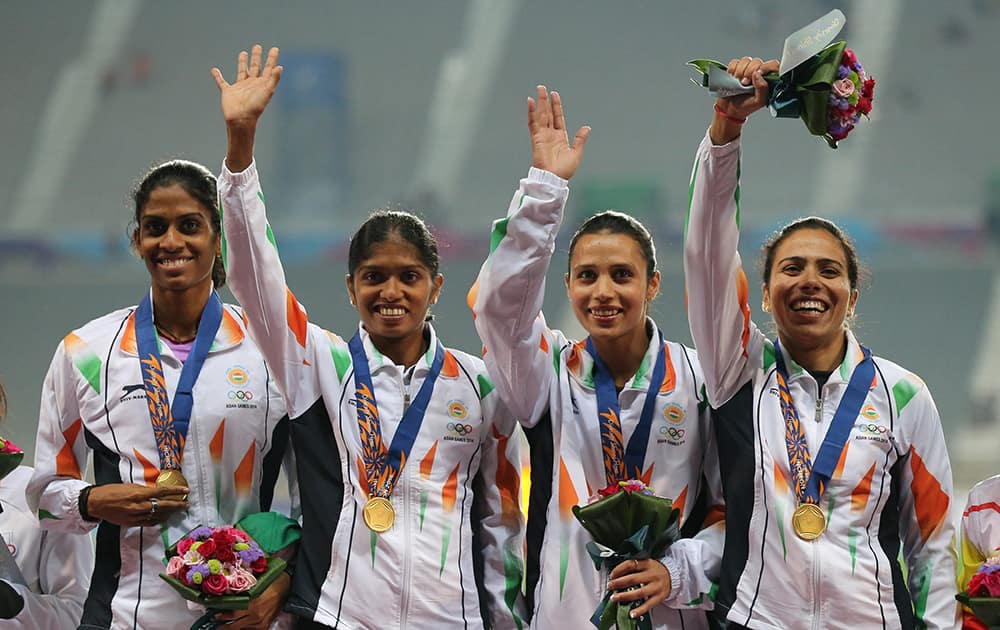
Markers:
<point>732,119</point>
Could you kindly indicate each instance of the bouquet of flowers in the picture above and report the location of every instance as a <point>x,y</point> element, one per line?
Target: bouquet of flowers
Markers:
<point>10,457</point>
<point>627,521</point>
<point>223,568</point>
<point>983,594</point>
<point>822,83</point>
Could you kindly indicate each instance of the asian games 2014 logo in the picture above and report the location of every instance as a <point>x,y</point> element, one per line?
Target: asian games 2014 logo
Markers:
<point>237,376</point>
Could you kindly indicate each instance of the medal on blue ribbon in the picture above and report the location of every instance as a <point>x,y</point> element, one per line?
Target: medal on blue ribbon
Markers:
<point>382,466</point>
<point>170,419</point>
<point>621,464</point>
<point>809,479</point>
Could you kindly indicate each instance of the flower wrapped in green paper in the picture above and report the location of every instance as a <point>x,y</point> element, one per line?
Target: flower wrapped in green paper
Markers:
<point>626,522</point>
<point>818,80</point>
<point>983,594</point>
<point>10,457</point>
<point>223,568</point>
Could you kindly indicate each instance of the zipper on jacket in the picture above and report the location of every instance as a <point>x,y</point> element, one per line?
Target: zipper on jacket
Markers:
<point>404,499</point>
<point>819,406</point>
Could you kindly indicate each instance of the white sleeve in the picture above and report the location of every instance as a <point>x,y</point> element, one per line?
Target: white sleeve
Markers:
<point>66,562</point>
<point>507,297</point>
<point>717,288</point>
<point>277,321</point>
<point>60,452</point>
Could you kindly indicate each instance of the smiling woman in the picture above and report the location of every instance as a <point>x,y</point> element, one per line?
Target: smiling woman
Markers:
<point>143,392</point>
<point>409,476</point>
<point>833,460</point>
<point>621,404</point>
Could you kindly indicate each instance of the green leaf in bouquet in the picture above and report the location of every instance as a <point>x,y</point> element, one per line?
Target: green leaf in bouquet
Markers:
<point>987,609</point>
<point>240,601</point>
<point>271,530</point>
<point>606,520</point>
<point>8,462</point>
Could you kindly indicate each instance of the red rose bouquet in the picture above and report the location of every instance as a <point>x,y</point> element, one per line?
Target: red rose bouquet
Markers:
<point>983,594</point>
<point>626,521</point>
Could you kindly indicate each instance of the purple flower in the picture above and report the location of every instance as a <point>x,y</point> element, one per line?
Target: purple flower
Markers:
<point>843,72</point>
<point>197,573</point>
<point>201,533</point>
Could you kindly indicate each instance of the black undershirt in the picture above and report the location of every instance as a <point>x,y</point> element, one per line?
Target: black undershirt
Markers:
<point>821,376</point>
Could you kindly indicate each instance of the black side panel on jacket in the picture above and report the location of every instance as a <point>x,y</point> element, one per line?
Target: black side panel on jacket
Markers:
<point>734,434</point>
<point>108,559</point>
<point>321,488</point>
<point>540,444</point>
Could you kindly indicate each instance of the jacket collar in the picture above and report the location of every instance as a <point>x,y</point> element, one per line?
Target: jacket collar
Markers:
<point>581,364</point>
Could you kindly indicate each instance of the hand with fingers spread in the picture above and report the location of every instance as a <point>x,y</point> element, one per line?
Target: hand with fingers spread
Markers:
<point>550,147</point>
<point>731,113</point>
<point>244,100</point>
<point>651,578</point>
<point>133,505</point>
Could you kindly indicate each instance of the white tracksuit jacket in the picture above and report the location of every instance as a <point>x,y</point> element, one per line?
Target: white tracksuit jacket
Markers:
<point>890,492</point>
<point>547,382</point>
<point>453,557</point>
<point>56,566</point>
<point>93,404</point>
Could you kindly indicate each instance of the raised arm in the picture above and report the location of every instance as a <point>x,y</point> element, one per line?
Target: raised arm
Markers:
<point>717,288</point>
<point>278,323</point>
<point>507,297</point>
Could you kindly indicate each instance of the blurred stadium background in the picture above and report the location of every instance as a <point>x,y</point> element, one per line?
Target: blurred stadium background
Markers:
<point>423,104</point>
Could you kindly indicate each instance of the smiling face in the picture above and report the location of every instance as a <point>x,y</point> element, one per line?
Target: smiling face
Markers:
<point>809,290</point>
<point>393,289</point>
<point>176,240</point>
<point>608,288</point>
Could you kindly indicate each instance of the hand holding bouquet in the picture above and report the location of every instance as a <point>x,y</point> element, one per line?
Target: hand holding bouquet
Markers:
<point>822,83</point>
<point>983,594</point>
<point>627,522</point>
<point>223,568</point>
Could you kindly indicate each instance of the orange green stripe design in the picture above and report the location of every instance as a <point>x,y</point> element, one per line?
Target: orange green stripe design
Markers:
<point>230,332</point>
<point>448,498</point>
<point>66,463</point>
<point>930,501</point>
<point>84,359</point>
<point>426,466</point>
<point>215,447</point>
<point>783,491</point>
<point>567,499</point>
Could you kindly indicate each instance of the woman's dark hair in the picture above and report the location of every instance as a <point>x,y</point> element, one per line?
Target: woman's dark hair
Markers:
<point>385,224</point>
<point>815,223</point>
<point>615,222</point>
<point>197,181</point>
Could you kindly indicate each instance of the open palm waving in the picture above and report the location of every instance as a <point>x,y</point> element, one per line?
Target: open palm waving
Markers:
<point>244,100</point>
<point>550,147</point>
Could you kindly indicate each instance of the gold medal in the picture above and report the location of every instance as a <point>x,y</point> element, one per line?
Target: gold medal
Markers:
<point>172,478</point>
<point>808,521</point>
<point>379,514</point>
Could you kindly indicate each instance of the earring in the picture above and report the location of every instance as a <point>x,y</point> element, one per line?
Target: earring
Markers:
<point>764,307</point>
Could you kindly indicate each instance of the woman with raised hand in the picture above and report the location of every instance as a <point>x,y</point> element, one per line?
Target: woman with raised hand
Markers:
<point>409,474</point>
<point>43,575</point>
<point>833,461</point>
<point>622,403</point>
<point>175,406</point>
